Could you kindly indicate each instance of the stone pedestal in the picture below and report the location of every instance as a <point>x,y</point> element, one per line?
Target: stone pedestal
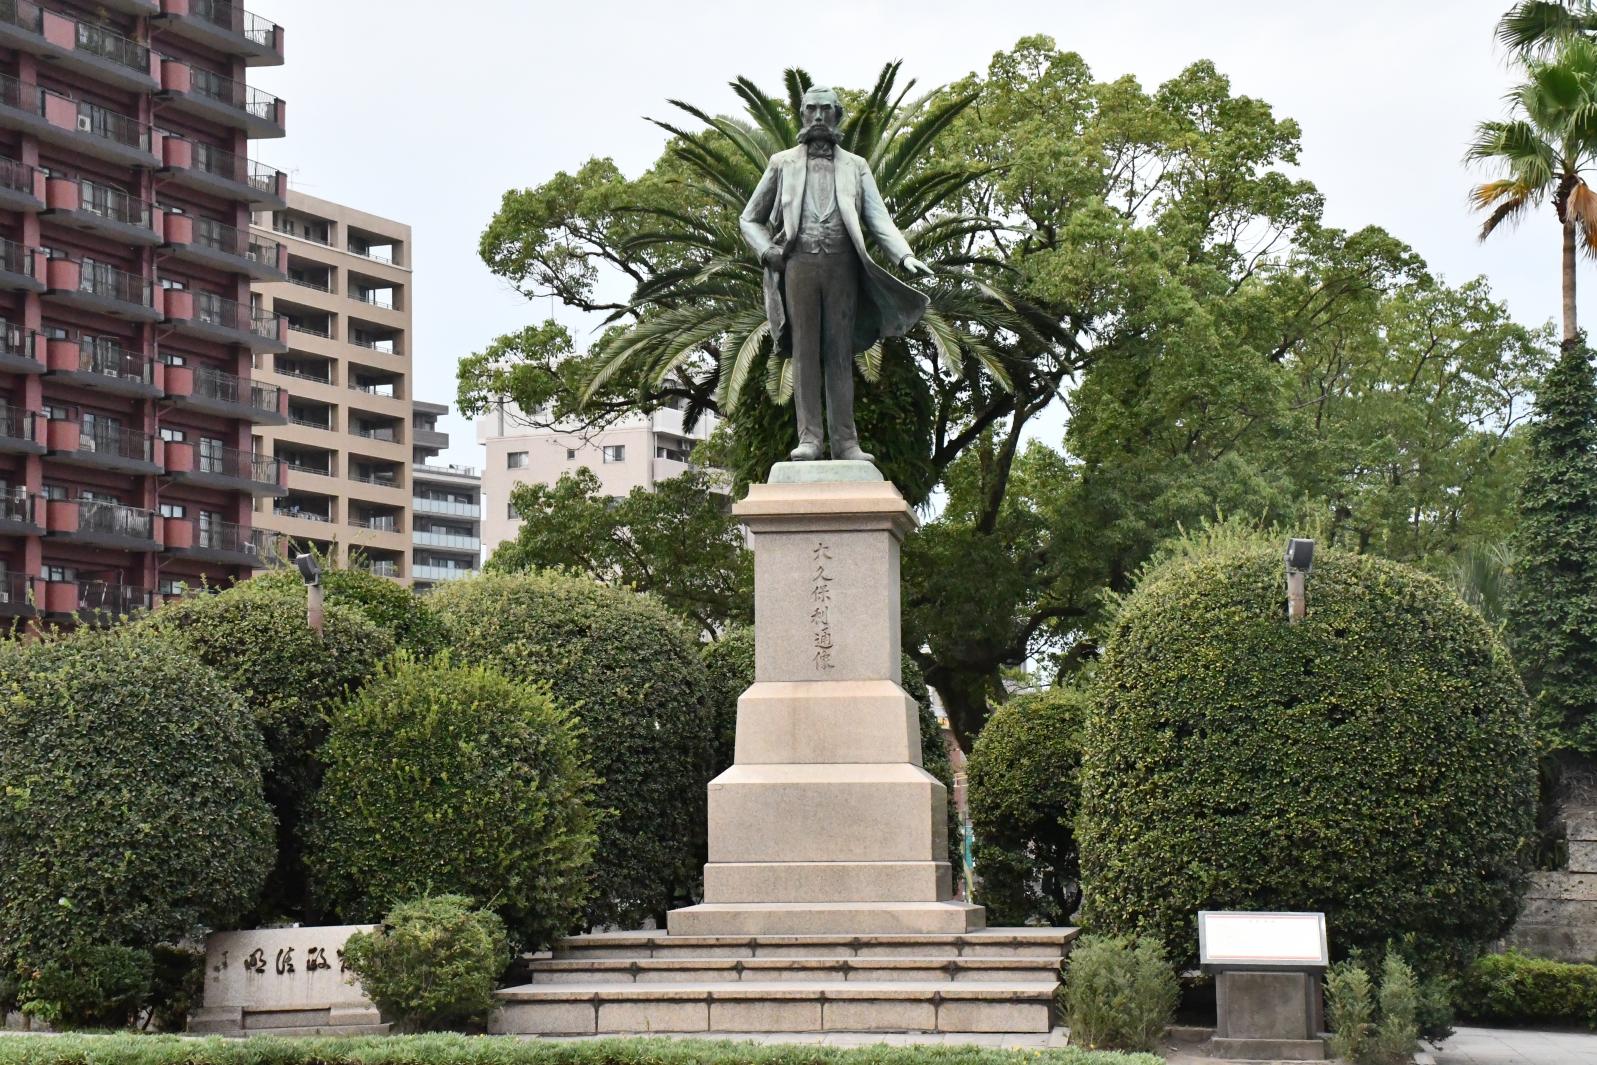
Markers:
<point>1268,1016</point>
<point>283,981</point>
<point>826,824</point>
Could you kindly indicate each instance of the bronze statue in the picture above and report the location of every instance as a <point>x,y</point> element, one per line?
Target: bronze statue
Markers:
<point>825,297</point>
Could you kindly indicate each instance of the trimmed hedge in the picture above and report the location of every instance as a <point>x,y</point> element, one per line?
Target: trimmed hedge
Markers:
<point>1375,762</point>
<point>1025,790</point>
<point>463,1050</point>
<point>631,672</point>
<point>398,611</point>
<point>433,964</point>
<point>256,636</point>
<point>1514,989</point>
<point>131,811</point>
<point>450,779</point>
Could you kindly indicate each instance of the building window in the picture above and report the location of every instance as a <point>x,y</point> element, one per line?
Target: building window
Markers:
<point>213,455</point>
<point>57,492</point>
<point>511,512</point>
<point>516,460</point>
<point>174,359</point>
<point>173,586</point>
<point>173,436</point>
<point>174,510</point>
<point>58,573</point>
<point>571,454</point>
<point>615,452</point>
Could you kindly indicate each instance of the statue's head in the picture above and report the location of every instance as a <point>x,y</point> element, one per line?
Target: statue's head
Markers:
<point>820,107</point>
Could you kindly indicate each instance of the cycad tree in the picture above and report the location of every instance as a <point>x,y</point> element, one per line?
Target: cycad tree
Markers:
<point>1541,151</point>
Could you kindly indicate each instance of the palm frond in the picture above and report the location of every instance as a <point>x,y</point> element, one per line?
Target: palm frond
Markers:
<point>869,362</point>
<point>779,380</point>
<point>766,112</point>
<point>736,379</point>
<point>797,82</point>
<point>1535,25</point>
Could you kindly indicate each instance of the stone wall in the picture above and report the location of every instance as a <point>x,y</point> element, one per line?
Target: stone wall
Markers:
<point>1559,919</point>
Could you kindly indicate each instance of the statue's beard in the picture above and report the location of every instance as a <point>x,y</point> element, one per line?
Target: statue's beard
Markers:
<point>819,133</point>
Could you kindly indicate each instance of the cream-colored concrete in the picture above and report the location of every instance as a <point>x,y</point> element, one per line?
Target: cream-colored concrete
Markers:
<point>826,881</point>
<point>822,918</point>
<point>827,721</point>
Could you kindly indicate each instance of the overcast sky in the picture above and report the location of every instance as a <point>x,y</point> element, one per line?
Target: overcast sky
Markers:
<point>427,112</point>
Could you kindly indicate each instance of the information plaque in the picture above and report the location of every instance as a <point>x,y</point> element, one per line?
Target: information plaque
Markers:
<point>1234,940</point>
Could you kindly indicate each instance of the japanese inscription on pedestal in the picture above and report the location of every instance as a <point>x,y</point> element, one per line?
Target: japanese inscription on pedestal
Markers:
<point>821,606</point>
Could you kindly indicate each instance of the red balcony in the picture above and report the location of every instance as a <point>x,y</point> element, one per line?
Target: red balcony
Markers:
<point>22,513</point>
<point>19,268</point>
<point>102,445</point>
<point>210,391</point>
<point>208,95</point>
<point>223,247</point>
<point>226,468</point>
<point>19,598</point>
<point>101,288</point>
<point>90,602</point>
<point>226,27</point>
<point>20,352</point>
<point>211,317</point>
<point>204,167</point>
<point>103,364</point>
<point>82,126</point>
<point>93,207</point>
<point>21,186</point>
<point>219,542</point>
<point>86,47</point>
<point>95,523</point>
<point>21,431</point>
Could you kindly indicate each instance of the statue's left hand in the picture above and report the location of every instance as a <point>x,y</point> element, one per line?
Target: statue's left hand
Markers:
<point>915,266</point>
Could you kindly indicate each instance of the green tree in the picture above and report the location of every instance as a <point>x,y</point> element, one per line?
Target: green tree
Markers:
<point>1542,149</point>
<point>1534,26</point>
<point>675,540</point>
<point>1553,609</point>
<point>404,615</point>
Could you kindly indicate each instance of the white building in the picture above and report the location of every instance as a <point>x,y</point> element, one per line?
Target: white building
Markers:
<point>638,451</point>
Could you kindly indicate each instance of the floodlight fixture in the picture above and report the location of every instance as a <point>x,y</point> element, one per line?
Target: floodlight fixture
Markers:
<point>1300,555</point>
<point>310,571</point>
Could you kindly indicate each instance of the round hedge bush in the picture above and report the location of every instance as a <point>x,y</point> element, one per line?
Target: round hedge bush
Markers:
<point>1025,790</point>
<point>631,673</point>
<point>433,964</point>
<point>255,635</point>
<point>131,811</point>
<point>1374,762</point>
<point>398,611</point>
<point>453,779</point>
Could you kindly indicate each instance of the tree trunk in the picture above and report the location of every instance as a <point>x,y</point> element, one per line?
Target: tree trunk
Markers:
<point>1569,280</point>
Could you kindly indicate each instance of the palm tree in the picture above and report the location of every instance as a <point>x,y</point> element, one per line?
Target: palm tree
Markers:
<point>708,312</point>
<point>1535,26</point>
<point>1542,148</point>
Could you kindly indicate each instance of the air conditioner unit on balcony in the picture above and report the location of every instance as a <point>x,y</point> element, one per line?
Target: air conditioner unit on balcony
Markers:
<point>85,124</point>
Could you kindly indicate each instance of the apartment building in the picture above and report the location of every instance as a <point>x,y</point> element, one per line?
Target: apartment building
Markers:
<point>346,308</point>
<point>446,507</point>
<point>638,451</point>
<point>127,413</point>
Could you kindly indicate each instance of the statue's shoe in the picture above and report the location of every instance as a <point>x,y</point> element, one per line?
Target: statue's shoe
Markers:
<point>805,453</point>
<point>854,454</point>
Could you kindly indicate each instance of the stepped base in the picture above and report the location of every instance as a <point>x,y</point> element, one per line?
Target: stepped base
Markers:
<point>824,918</point>
<point>1000,980</point>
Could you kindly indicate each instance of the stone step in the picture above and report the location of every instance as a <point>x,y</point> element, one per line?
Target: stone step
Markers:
<point>823,970</point>
<point>984,943</point>
<point>776,1006</point>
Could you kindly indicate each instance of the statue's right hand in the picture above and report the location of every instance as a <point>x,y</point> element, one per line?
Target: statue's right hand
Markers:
<point>772,258</point>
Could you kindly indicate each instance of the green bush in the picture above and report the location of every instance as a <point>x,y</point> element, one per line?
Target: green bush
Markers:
<point>464,1050</point>
<point>1024,779</point>
<point>1370,1027</point>
<point>256,636</point>
<point>131,811</point>
<point>444,778</point>
<point>398,611</point>
<point>87,987</point>
<point>1374,762</point>
<point>1120,992</point>
<point>433,964</point>
<point>1514,989</point>
<point>632,674</point>
<point>177,986</point>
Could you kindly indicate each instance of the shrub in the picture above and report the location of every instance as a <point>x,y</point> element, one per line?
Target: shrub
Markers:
<point>1362,1034</point>
<point>398,611</point>
<point>465,1050</point>
<point>1120,992</point>
<point>131,811</point>
<point>1512,988</point>
<point>1374,762</point>
<point>177,986</point>
<point>443,778</point>
<point>1024,792</point>
<point>632,674</point>
<point>433,964</point>
<point>257,638</point>
<point>87,987</point>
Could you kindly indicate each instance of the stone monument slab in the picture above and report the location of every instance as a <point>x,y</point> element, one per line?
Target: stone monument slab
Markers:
<point>283,981</point>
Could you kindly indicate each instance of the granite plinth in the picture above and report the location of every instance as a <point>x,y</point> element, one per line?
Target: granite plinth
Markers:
<point>823,471</point>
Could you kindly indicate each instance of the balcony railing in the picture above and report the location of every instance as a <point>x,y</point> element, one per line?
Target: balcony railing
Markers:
<point>380,480</point>
<point>263,253</point>
<point>301,513</point>
<point>110,359</point>
<point>459,541</point>
<point>384,568</point>
<point>386,345</point>
<point>112,126</point>
<point>310,423</point>
<point>17,176</point>
<point>114,204</point>
<point>108,44</point>
<point>234,18</point>
<point>23,15</point>
<point>15,423</point>
<point>236,539</point>
<point>386,390</point>
<point>244,465</point>
<point>379,524</point>
<point>388,435</point>
<point>105,280</point>
<point>229,388</point>
<point>230,167</point>
<point>114,519</point>
<point>428,572</point>
<point>237,94</point>
<point>315,286</point>
<point>376,299</point>
<point>303,327</point>
<point>15,258</point>
<point>300,467</point>
<point>104,597</point>
<point>302,376</point>
<point>423,505</point>
<point>112,440</point>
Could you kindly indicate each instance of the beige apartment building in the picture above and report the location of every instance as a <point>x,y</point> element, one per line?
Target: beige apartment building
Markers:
<point>637,452</point>
<point>346,448</point>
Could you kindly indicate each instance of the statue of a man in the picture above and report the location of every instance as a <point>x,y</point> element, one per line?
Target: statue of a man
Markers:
<point>825,297</point>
